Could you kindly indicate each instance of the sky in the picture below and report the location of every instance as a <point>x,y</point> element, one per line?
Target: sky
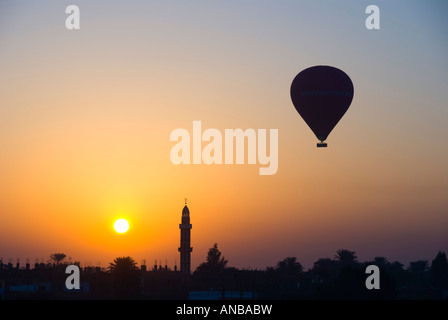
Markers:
<point>86,117</point>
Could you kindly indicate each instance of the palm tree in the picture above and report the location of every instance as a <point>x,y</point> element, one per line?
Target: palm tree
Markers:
<point>346,257</point>
<point>124,276</point>
<point>57,258</point>
<point>288,272</point>
<point>325,268</point>
<point>397,265</point>
<point>289,266</point>
<point>381,262</point>
<point>122,265</point>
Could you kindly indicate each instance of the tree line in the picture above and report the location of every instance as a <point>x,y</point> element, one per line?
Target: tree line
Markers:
<point>339,277</point>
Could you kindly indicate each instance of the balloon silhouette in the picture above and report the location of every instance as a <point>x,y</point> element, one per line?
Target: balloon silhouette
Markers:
<point>322,95</point>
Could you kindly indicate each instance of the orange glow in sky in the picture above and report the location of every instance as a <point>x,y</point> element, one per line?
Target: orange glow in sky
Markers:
<point>86,116</point>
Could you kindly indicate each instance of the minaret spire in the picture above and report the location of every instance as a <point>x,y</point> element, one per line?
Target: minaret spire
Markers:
<point>185,248</point>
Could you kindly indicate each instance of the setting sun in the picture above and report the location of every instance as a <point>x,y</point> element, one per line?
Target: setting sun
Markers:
<point>121,225</point>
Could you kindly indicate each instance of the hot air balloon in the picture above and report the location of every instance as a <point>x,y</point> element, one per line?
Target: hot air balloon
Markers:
<point>322,95</point>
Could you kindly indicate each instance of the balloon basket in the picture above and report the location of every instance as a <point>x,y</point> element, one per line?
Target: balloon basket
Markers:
<point>321,145</point>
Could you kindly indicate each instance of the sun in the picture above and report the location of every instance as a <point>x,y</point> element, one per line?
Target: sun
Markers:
<point>121,225</point>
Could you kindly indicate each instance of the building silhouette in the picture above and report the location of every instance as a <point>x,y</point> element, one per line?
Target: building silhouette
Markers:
<point>185,242</point>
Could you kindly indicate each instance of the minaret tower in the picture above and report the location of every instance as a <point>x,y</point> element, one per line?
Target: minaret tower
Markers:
<point>185,248</point>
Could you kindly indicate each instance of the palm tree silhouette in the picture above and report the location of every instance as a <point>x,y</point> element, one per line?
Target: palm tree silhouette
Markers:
<point>346,257</point>
<point>57,258</point>
<point>325,267</point>
<point>380,261</point>
<point>122,265</point>
<point>124,276</point>
<point>289,266</point>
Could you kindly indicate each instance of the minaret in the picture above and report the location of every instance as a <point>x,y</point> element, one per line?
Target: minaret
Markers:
<point>185,249</point>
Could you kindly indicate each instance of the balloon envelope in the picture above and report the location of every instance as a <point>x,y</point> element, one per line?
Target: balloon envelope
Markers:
<point>322,95</point>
